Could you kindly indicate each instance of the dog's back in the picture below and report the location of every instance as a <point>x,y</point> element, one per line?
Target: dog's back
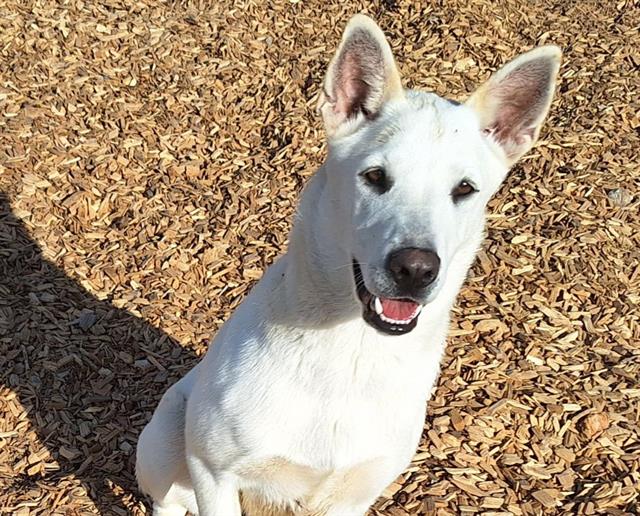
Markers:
<point>161,468</point>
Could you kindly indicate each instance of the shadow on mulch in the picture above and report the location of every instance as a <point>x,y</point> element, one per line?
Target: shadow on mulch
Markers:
<point>88,373</point>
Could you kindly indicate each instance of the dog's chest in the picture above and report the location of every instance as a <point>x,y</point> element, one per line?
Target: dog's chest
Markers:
<point>341,400</point>
<point>315,411</point>
<point>341,424</point>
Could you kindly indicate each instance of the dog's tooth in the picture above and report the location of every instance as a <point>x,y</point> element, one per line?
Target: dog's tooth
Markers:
<point>378,305</point>
<point>394,321</point>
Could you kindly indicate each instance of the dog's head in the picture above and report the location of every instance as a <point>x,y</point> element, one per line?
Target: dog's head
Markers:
<point>410,173</point>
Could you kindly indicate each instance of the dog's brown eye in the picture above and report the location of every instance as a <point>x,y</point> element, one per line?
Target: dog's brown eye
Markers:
<point>377,178</point>
<point>462,191</point>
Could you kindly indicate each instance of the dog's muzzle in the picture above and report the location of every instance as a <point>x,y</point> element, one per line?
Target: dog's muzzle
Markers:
<point>388,316</point>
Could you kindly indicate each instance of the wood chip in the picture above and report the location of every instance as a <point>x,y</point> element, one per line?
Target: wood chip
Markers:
<point>548,497</point>
<point>595,424</point>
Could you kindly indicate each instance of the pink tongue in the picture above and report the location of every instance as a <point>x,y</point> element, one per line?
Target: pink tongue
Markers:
<point>398,310</point>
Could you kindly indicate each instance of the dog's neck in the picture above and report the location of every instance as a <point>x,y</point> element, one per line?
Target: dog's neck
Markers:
<point>319,277</point>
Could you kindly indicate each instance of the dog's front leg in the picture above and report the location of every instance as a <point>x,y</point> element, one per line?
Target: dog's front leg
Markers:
<point>216,493</point>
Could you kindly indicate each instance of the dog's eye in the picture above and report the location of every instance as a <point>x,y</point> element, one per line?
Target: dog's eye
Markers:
<point>377,178</point>
<point>462,191</point>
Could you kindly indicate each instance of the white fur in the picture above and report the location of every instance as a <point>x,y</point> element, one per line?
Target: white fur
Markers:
<point>299,404</point>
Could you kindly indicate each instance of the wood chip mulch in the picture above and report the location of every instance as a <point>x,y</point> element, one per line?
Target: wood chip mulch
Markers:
<point>151,156</point>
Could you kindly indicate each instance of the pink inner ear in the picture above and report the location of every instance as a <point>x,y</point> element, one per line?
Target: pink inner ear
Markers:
<point>521,98</point>
<point>351,90</point>
<point>358,85</point>
<point>509,125</point>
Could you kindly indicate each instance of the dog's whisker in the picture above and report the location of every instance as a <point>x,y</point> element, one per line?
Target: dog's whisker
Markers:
<point>362,264</point>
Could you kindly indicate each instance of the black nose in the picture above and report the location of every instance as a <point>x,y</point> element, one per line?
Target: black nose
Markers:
<point>413,269</point>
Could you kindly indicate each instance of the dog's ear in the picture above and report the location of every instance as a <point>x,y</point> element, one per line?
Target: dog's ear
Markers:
<point>362,76</point>
<point>513,103</point>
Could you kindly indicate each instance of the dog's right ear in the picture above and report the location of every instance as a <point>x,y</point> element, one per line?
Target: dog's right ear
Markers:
<point>513,103</point>
<point>362,76</point>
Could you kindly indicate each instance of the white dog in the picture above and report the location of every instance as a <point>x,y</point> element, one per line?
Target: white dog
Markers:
<point>312,397</point>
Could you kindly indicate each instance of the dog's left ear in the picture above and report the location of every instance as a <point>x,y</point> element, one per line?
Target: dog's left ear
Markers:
<point>514,102</point>
<point>362,76</point>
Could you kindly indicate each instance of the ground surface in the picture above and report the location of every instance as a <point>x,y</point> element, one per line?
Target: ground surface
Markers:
<point>151,155</point>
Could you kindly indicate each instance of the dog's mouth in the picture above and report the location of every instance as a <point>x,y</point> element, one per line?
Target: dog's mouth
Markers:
<point>389,316</point>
